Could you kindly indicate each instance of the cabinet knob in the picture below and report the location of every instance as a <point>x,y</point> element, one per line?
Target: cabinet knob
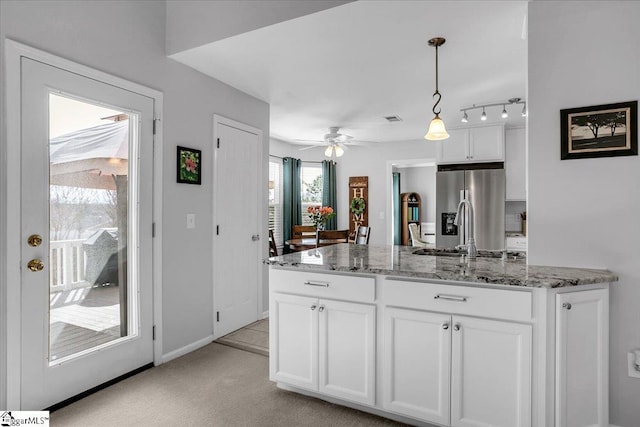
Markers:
<point>313,307</point>
<point>321,308</point>
<point>445,326</point>
<point>566,305</point>
<point>456,327</point>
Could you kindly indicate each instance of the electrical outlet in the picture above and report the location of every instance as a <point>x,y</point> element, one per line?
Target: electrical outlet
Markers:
<point>633,357</point>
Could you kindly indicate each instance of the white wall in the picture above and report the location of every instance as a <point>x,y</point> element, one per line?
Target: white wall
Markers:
<point>127,39</point>
<point>586,213</point>
<point>194,23</point>
<point>421,180</point>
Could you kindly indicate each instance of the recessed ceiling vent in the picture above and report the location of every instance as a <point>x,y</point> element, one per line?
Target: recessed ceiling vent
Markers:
<point>392,119</point>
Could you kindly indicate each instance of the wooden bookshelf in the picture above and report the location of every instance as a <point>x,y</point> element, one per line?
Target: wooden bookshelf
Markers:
<point>410,213</point>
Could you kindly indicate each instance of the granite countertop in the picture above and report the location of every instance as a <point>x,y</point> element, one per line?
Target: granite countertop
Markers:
<point>401,261</point>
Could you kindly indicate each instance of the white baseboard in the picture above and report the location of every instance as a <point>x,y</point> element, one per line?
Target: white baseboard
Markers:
<point>265,314</point>
<point>186,349</point>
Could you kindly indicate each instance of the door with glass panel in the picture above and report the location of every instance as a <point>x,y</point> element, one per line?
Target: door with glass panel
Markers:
<point>86,209</point>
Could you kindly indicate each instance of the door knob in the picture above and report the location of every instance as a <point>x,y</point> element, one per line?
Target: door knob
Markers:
<point>34,240</point>
<point>35,265</point>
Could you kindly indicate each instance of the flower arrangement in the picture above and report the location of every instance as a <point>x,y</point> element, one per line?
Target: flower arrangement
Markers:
<point>319,215</point>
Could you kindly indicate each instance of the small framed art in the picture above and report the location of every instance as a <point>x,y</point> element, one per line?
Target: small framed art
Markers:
<point>599,131</point>
<point>189,166</point>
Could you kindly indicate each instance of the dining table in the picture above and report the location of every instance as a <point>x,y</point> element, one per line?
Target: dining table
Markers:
<point>305,243</point>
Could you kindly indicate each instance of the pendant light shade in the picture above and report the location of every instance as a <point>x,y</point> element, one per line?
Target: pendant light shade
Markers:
<point>437,130</point>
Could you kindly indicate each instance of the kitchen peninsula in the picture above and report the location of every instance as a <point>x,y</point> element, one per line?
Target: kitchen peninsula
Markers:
<point>441,339</point>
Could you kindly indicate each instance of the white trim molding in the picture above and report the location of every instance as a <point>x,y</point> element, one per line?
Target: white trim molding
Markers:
<point>10,357</point>
<point>187,349</point>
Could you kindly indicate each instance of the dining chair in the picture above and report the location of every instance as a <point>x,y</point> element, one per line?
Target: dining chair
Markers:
<point>362,236</point>
<point>415,236</point>
<point>301,231</point>
<point>340,236</point>
<point>273,248</point>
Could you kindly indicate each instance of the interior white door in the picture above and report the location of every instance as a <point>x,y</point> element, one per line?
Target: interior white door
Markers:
<point>86,209</point>
<point>237,245</point>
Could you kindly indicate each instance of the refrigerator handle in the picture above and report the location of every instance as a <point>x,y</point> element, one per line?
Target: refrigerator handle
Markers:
<point>462,230</point>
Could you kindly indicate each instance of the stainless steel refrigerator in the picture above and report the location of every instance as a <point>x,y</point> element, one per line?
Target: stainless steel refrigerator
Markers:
<point>484,186</point>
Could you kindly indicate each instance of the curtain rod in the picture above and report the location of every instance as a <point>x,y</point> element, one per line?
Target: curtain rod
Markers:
<point>304,161</point>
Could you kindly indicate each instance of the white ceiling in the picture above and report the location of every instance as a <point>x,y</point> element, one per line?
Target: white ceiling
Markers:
<point>351,65</point>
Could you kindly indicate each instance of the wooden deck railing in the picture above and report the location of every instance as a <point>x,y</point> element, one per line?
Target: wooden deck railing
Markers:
<point>68,260</point>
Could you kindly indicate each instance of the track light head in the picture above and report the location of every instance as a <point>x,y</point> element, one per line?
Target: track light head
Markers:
<point>465,118</point>
<point>483,117</point>
<point>524,110</point>
<point>504,112</point>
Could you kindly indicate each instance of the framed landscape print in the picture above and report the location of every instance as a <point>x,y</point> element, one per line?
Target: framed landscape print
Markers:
<point>189,165</point>
<point>599,131</point>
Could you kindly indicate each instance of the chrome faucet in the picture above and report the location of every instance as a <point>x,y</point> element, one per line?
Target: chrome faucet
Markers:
<point>470,246</point>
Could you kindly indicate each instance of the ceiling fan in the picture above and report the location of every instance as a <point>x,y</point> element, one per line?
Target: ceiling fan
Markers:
<point>334,141</point>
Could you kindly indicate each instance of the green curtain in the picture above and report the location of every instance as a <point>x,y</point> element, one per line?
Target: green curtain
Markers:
<point>291,203</point>
<point>329,191</point>
<point>396,208</point>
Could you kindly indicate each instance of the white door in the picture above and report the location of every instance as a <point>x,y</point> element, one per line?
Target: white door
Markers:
<point>347,350</point>
<point>490,373</point>
<point>293,340</point>
<point>582,365</point>
<point>417,350</point>
<point>86,289</point>
<point>238,214</point>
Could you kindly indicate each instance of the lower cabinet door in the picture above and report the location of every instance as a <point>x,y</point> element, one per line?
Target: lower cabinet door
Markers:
<point>582,368</point>
<point>490,373</point>
<point>347,350</point>
<point>293,332</point>
<point>417,349</point>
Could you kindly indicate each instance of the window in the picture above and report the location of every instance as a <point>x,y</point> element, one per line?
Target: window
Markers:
<point>275,197</point>
<point>310,188</point>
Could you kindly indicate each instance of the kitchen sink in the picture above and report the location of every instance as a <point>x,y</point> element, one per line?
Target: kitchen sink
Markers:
<point>482,253</point>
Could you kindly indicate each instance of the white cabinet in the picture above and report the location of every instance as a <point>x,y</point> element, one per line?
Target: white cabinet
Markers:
<point>516,243</point>
<point>582,336</point>
<point>490,373</point>
<point>515,164</point>
<point>324,345</point>
<point>481,144</point>
<point>457,370</point>
<point>417,354</point>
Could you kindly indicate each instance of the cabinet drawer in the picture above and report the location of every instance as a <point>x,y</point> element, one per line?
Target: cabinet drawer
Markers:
<point>336,286</point>
<point>472,301</point>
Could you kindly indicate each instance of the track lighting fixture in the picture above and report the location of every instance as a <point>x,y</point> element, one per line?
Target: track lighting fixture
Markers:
<point>437,129</point>
<point>505,113</point>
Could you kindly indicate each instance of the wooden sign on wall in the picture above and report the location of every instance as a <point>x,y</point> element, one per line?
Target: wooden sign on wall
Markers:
<point>358,189</point>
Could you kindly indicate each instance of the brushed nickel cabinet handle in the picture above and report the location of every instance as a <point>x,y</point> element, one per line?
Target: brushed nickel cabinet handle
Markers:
<point>322,284</point>
<point>451,297</point>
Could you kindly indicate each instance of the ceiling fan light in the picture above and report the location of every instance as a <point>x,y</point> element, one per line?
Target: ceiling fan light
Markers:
<point>328,151</point>
<point>504,112</point>
<point>339,151</point>
<point>437,131</point>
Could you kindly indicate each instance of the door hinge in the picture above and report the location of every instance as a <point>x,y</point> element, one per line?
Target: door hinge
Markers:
<point>217,316</point>
<point>154,332</point>
<point>153,229</point>
<point>217,230</point>
<point>218,142</point>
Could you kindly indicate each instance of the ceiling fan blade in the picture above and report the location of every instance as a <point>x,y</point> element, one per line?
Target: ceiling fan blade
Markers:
<point>310,147</point>
<point>309,140</point>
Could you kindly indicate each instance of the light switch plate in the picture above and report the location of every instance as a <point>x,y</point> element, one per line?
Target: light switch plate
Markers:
<point>191,220</point>
<point>631,358</point>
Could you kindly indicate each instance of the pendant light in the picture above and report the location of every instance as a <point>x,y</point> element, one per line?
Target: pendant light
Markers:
<point>437,130</point>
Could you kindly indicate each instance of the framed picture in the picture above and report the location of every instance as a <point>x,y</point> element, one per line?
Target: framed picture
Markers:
<point>189,165</point>
<point>599,131</point>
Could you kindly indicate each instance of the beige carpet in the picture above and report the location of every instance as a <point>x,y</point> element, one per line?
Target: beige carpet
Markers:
<point>253,338</point>
<point>216,385</point>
